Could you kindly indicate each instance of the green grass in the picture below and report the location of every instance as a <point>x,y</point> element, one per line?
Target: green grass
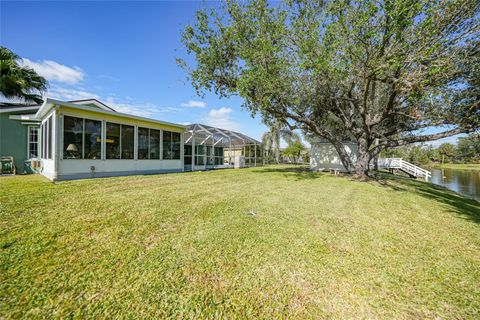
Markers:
<point>459,166</point>
<point>185,246</point>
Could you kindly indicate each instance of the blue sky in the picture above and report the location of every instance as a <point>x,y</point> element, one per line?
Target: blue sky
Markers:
<point>122,53</point>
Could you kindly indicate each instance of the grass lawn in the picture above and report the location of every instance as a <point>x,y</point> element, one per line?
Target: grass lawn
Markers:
<point>459,166</point>
<point>185,246</point>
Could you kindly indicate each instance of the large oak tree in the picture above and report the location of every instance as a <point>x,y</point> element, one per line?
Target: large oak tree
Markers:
<point>378,73</point>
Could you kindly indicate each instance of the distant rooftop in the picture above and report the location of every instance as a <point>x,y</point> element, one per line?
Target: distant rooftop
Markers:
<point>16,107</point>
<point>9,105</point>
<point>93,102</point>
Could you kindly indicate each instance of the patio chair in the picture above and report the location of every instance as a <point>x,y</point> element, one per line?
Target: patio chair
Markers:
<point>7,165</point>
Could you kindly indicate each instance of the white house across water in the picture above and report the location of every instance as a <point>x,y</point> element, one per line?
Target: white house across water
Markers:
<point>88,139</point>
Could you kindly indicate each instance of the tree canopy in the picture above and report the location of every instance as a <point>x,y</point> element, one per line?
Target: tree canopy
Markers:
<point>446,150</point>
<point>19,82</point>
<point>468,148</point>
<point>374,72</point>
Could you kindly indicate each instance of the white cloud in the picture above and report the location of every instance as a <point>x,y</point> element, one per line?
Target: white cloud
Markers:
<point>106,76</point>
<point>221,113</point>
<point>54,71</point>
<point>127,105</point>
<point>220,118</point>
<point>436,143</point>
<point>66,87</point>
<point>194,104</point>
<point>66,94</point>
<point>142,109</point>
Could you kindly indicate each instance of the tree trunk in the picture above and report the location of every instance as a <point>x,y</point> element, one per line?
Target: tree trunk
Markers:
<point>344,156</point>
<point>375,156</point>
<point>277,147</point>
<point>361,166</point>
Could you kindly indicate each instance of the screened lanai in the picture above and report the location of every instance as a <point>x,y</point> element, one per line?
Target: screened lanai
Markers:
<point>208,147</point>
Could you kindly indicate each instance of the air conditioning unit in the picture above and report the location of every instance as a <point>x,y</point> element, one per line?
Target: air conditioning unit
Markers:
<point>36,164</point>
<point>239,162</point>
<point>33,166</point>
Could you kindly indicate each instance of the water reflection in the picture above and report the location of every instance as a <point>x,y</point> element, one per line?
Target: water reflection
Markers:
<point>466,182</point>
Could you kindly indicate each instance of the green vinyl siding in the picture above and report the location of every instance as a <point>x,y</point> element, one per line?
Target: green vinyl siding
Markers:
<point>13,138</point>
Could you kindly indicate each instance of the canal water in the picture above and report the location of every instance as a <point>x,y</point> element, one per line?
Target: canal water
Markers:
<point>466,182</point>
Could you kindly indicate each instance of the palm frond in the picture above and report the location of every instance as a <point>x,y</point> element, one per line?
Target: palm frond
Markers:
<point>18,81</point>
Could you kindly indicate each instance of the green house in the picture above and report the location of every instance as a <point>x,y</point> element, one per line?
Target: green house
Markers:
<point>19,134</point>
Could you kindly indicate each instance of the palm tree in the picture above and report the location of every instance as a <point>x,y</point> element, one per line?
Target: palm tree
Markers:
<point>271,139</point>
<point>18,82</point>
<point>294,151</point>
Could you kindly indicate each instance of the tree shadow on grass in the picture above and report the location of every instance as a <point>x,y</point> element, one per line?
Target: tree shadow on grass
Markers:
<point>297,172</point>
<point>467,208</point>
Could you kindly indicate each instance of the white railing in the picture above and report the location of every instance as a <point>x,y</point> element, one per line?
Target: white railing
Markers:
<point>407,167</point>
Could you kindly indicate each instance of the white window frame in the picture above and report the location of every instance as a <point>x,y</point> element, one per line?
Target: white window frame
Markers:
<point>29,142</point>
<point>45,127</point>
<point>171,143</point>
<point>160,142</point>
<point>102,144</point>
<point>121,142</point>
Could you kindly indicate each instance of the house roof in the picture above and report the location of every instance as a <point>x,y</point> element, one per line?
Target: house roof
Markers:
<point>11,107</point>
<point>51,103</point>
<point>93,102</point>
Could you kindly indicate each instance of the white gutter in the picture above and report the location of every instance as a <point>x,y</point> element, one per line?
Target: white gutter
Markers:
<point>3,110</point>
<point>24,117</point>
